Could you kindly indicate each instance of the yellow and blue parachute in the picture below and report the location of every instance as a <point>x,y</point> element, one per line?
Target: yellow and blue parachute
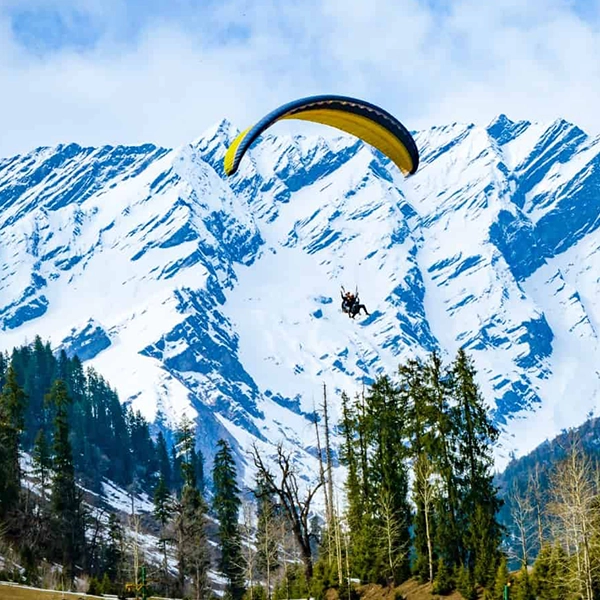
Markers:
<point>366,121</point>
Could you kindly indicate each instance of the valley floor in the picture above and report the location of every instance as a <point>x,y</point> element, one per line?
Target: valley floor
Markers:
<point>411,590</point>
<point>11,591</point>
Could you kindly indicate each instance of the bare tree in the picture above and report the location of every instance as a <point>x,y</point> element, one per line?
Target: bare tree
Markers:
<point>338,541</point>
<point>536,494</point>
<point>328,515</point>
<point>288,553</point>
<point>523,516</point>
<point>333,512</point>
<point>8,553</point>
<point>426,490</point>
<point>390,529</point>
<point>249,552</point>
<point>328,456</point>
<point>295,508</point>
<point>267,541</point>
<point>332,520</point>
<point>573,497</point>
<point>135,551</point>
<point>92,555</point>
<point>346,534</point>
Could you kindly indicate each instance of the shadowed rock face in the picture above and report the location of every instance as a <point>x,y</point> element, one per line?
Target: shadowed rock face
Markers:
<point>87,342</point>
<point>186,289</point>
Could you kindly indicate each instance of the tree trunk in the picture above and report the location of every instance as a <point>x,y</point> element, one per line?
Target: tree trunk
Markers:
<point>325,494</point>
<point>429,545</point>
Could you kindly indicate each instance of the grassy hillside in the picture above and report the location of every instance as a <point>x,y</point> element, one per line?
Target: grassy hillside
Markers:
<point>410,590</point>
<point>9,591</point>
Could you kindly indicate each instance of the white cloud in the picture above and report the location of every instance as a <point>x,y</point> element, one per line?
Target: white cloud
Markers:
<point>443,62</point>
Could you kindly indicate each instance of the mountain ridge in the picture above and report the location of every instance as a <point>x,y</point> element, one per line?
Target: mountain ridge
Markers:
<point>221,294</point>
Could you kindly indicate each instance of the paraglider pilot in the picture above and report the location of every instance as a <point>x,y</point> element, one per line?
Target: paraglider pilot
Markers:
<point>351,304</point>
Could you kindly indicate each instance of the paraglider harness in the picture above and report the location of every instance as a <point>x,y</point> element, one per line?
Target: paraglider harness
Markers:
<point>350,303</point>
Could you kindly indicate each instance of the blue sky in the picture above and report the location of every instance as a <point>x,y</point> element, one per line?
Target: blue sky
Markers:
<point>132,71</point>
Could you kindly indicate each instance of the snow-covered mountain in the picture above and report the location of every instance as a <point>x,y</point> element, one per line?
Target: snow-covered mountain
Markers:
<point>220,297</point>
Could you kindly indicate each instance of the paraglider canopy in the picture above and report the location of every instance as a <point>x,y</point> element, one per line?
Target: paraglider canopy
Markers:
<point>366,121</point>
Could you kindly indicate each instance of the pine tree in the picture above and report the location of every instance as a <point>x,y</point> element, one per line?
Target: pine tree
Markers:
<point>106,585</point>
<point>42,461</point>
<point>443,582</point>
<point>12,406</point>
<point>63,366</point>
<point>4,362</point>
<point>192,542</point>
<point>550,577</point>
<point>163,511</point>
<point>317,536</point>
<point>198,466</point>
<point>501,579</point>
<point>226,504</point>
<point>465,584</point>
<point>358,517</point>
<point>162,457</point>
<point>524,588</point>
<point>386,434</point>
<point>480,505</point>
<point>186,446</point>
<point>38,377</point>
<point>190,522</point>
<point>86,456</point>
<point>113,556</point>
<point>66,498</point>
<point>143,449</point>
<point>176,472</point>
<point>421,426</point>
<point>121,463</point>
<point>448,538</point>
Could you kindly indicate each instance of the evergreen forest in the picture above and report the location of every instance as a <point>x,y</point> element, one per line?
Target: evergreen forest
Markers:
<point>420,500</point>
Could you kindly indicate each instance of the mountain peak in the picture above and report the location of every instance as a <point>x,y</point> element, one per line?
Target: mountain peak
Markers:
<point>503,129</point>
<point>561,124</point>
<point>224,132</point>
<point>501,120</point>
